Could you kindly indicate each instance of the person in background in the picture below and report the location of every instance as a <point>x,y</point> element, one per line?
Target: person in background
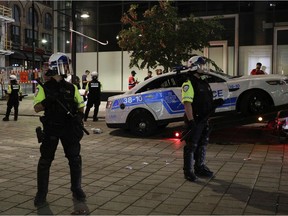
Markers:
<point>94,96</point>
<point>14,92</point>
<point>85,81</point>
<point>257,70</point>
<point>68,78</point>
<point>158,71</point>
<point>131,80</point>
<point>77,82</point>
<point>63,113</point>
<point>149,75</point>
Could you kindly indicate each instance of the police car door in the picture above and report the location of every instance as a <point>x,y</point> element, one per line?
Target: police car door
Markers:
<point>220,90</point>
<point>164,98</point>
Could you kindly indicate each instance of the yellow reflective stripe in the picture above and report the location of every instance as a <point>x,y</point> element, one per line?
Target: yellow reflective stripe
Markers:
<point>39,95</point>
<point>77,98</point>
<point>187,92</point>
<point>9,90</point>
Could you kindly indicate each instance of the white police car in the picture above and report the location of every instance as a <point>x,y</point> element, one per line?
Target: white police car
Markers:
<point>156,102</point>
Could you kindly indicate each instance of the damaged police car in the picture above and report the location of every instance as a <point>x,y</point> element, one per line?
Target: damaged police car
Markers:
<point>156,102</point>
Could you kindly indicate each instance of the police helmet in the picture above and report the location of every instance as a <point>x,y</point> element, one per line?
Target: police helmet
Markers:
<point>94,74</point>
<point>61,63</point>
<point>196,63</point>
<point>12,77</point>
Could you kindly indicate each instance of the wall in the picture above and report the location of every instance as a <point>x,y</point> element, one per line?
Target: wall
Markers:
<point>114,75</point>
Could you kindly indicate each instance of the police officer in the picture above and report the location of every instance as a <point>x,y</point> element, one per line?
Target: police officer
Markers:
<point>14,93</point>
<point>93,89</point>
<point>55,97</point>
<point>197,98</point>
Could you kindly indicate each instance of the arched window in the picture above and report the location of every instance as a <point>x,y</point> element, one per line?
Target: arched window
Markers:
<point>16,13</point>
<point>30,17</point>
<point>48,21</point>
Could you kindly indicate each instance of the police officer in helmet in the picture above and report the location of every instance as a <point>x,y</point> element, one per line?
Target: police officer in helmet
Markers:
<point>93,89</point>
<point>197,98</point>
<point>14,92</point>
<point>51,97</point>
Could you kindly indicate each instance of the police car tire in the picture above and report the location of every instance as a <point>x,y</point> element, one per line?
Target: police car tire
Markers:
<point>248,107</point>
<point>144,118</point>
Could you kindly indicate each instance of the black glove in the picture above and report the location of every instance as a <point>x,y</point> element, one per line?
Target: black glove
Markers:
<point>191,124</point>
<point>79,117</point>
<point>218,102</point>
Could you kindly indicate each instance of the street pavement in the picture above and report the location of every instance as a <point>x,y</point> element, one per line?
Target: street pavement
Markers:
<point>128,175</point>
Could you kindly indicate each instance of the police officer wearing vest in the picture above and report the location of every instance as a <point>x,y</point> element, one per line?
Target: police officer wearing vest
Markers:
<point>50,97</point>
<point>93,89</point>
<point>14,93</point>
<point>197,98</point>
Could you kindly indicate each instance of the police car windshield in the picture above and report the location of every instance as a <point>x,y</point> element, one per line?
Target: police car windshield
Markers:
<point>221,73</point>
<point>214,68</point>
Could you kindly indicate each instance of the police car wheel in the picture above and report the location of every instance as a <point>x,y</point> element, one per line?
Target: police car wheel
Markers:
<point>255,102</point>
<point>142,123</point>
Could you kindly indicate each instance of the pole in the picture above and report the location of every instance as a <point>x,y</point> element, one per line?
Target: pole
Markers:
<point>33,47</point>
<point>73,40</point>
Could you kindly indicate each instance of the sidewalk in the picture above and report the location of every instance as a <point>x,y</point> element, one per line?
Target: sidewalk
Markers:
<point>126,175</point>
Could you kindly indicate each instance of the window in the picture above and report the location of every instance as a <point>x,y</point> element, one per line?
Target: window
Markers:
<point>48,21</point>
<point>15,35</point>
<point>213,79</point>
<point>29,37</point>
<point>16,14</point>
<point>48,44</point>
<point>30,17</point>
<point>175,80</point>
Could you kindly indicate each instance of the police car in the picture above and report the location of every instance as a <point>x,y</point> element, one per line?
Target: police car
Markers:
<point>156,102</point>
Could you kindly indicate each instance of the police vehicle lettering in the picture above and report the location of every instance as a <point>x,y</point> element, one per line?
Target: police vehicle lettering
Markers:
<point>167,98</point>
<point>218,93</point>
<point>234,87</point>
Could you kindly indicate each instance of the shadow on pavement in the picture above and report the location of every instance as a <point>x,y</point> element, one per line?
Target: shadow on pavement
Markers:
<point>268,201</point>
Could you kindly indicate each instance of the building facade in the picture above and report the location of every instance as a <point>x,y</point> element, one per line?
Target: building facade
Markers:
<point>254,31</point>
<point>30,33</point>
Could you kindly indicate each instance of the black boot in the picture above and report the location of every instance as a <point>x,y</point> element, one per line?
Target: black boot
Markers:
<point>42,182</point>
<point>5,119</point>
<point>75,173</point>
<point>200,168</point>
<point>188,165</point>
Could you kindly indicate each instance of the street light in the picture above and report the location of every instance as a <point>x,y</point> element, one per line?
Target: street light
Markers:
<point>44,41</point>
<point>85,15</point>
<point>73,26</point>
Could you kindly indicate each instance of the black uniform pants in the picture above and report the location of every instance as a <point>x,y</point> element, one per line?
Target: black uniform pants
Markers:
<point>89,105</point>
<point>195,146</point>
<point>71,146</point>
<point>12,103</point>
